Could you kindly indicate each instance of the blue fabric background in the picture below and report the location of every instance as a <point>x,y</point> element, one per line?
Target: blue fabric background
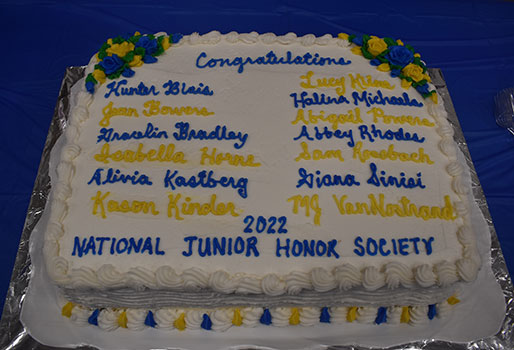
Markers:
<point>472,41</point>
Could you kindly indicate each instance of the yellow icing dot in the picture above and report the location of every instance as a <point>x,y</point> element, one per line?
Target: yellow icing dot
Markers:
<point>237,320</point>
<point>122,319</point>
<point>137,33</point>
<point>180,322</point>
<point>433,97</point>
<point>453,300</point>
<point>417,55</point>
<point>66,309</point>
<point>166,43</point>
<point>109,41</point>
<point>343,36</point>
<point>384,67</point>
<point>352,314</point>
<point>295,316</point>
<point>357,50</point>
<point>399,42</point>
<point>405,317</point>
<point>406,84</point>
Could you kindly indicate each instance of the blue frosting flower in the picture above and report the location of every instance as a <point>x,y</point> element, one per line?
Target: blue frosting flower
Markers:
<point>127,72</point>
<point>90,87</point>
<point>149,59</point>
<point>357,40</point>
<point>423,89</point>
<point>399,55</point>
<point>111,64</point>
<point>175,38</point>
<point>148,44</point>
<point>375,62</point>
<point>395,73</point>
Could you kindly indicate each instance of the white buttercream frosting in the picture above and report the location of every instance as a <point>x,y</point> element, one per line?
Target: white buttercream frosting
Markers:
<point>452,259</point>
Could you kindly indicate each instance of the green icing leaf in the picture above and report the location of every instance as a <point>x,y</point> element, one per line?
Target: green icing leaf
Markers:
<point>365,38</point>
<point>117,73</point>
<point>159,51</point>
<point>102,54</point>
<point>366,53</point>
<point>91,78</point>
<point>151,36</point>
<point>128,57</point>
<point>350,38</point>
<point>410,48</point>
<point>389,42</point>
<point>139,51</point>
<point>118,40</point>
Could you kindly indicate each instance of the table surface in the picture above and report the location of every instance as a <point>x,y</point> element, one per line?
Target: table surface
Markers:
<point>472,42</point>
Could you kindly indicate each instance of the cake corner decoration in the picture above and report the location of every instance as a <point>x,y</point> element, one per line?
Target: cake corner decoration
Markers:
<point>117,56</point>
<point>389,55</point>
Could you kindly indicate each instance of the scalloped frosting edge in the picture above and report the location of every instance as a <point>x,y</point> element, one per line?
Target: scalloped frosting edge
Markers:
<point>345,277</point>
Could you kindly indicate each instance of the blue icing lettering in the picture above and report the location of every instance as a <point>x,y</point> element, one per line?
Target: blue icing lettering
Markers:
<point>316,99</point>
<point>386,181</point>
<point>327,134</point>
<point>208,246</point>
<point>219,133</point>
<point>205,179</point>
<point>177,88</point>
<point>327,180</point>
<point>394,246</point>
<point>150,132</point>
<point>94,246</point>
<point>202,61</point>
<point>368,98</point>
<point>388,134</point>
<point>115,175</point>
<point>306,248</point>
<point>117,89</point>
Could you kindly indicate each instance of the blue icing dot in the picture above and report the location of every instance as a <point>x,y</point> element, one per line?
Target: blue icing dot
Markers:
<point>325,315</point>
<point>149,320</point>
<point>431,311</point>
<point>266,317</point>
<point>381,315</point>
<point>93,319</point>
<point>206,323</point>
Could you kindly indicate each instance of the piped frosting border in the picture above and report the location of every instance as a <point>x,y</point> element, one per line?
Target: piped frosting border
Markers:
<point>344,277</point>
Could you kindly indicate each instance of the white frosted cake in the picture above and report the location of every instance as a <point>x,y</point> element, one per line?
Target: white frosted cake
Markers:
<point>210,181</point>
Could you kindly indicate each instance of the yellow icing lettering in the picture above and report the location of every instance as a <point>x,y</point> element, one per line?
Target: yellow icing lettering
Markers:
<point>403,208</point>
<point>109,111</point>
<point>214,158</point>
<point>337,83</point>
<point>154,108</point>
<point>309,203</point>
<point>164,153</point>
<point>364,154</point>
<point>176,209</point>
<point>122,207</point>
<point>361,83</point>
<point>379,115</point>
<point>352,116</point>
<point>318,154</point>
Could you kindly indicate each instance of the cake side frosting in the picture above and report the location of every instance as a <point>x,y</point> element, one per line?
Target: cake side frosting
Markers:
<point>451,258</point>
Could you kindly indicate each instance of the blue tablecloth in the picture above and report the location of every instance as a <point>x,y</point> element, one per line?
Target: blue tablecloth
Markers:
<point>472,42</point>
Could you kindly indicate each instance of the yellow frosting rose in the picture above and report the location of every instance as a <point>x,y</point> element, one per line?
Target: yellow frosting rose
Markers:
<point>120,49</point>
<point>413,71</point>
<point>376,46</point>
<point>137,61</point>
<point>99,75</point>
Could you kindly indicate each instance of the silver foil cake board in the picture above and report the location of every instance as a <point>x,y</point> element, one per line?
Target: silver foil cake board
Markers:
<point>478,321</point>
